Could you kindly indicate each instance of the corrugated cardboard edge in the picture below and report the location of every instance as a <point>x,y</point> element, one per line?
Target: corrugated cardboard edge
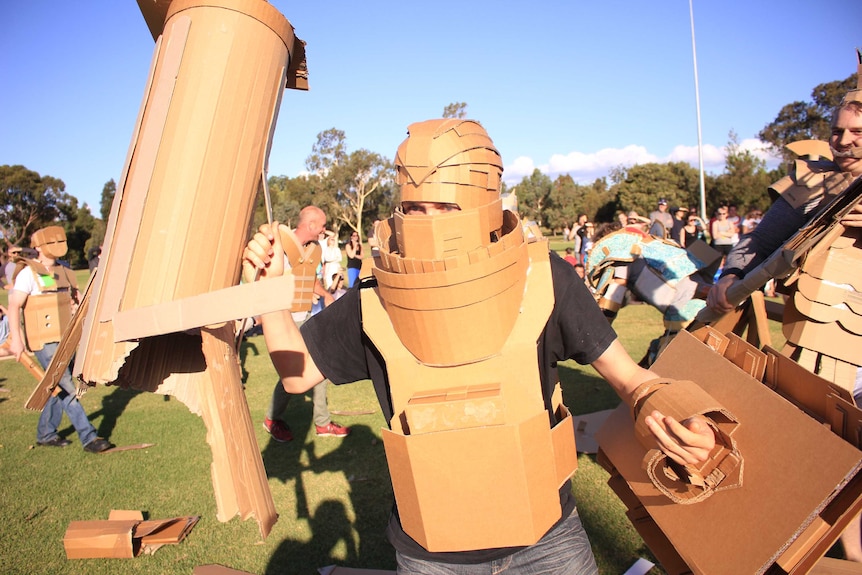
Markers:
<point>228,304</point>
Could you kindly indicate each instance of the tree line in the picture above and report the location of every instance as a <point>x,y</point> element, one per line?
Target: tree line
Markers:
<point>355,188</point>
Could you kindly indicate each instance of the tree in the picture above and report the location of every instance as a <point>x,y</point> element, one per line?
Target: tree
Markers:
<point>329,150</point>
<point>745,179</point>
<point>346,184</point>
<point>640,187</point>
<point>455,110</point>
<point>108,192</point>
<point>806,120</point>
<point>29,201</point>
<point>534,194</point>
<point>80,228</point>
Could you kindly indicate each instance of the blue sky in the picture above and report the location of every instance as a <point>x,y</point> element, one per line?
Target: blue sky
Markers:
<point>564,86</point>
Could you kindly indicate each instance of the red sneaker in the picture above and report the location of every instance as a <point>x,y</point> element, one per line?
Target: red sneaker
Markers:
<point>278,430</point>
<point>332,429</point>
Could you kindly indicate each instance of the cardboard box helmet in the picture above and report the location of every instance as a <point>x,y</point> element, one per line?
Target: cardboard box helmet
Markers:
<point>51,240</point>
<point>443,275</point>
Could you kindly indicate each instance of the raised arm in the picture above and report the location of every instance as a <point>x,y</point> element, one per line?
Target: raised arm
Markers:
<point>297,370</point>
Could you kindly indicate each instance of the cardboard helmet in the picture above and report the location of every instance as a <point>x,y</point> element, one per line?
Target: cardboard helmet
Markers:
<point>51,240</point>
<point>450,161</point>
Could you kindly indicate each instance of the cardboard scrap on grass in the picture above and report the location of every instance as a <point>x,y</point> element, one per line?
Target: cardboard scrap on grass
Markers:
<point>125,534</point>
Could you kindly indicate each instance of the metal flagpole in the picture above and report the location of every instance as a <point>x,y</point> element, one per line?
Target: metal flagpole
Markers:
<point>697,105</point>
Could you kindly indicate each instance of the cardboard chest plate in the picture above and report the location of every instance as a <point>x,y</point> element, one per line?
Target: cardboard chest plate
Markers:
<point>793,468</point>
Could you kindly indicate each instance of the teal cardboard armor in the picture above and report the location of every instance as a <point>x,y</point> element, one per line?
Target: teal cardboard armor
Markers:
<point>657,271</point>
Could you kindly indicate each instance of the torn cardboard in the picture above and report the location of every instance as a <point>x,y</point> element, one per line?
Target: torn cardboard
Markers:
<point>180,220</point>
<point>800,479</point>
<point>125,534</point>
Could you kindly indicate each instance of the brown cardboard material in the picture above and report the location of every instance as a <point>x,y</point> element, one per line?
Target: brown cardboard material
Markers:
<point>246,300</point>
<point>125,534</point>
<point>180,220</point>
<point>99,539</point>
<point>832,566</point>
<point>45,317</point>
<point>797,475</point>
<point>511,455</point>
<point>419,469</point>
<point>585,429</point>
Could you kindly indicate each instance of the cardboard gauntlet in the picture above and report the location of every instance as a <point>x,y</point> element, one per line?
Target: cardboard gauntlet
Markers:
<point>682,399</point>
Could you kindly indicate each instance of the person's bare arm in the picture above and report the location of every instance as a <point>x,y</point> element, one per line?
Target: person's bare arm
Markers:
<point>687,442</point>
<point>295,366</point>
<point>17,299</point>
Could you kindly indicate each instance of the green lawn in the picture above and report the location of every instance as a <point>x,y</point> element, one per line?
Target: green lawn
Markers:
<point>333,496</point>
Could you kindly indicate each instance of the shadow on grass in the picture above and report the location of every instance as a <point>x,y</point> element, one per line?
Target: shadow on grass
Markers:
<point>331,527</point>
<point>361,460</point>
<point>113,406</point>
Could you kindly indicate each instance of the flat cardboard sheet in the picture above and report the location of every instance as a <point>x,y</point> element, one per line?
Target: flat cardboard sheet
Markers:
<point>793,468</point>
<point>586,427</point>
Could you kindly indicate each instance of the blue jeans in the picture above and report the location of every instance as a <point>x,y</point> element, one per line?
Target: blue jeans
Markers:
<point>564,550</point>
<point>66,400</point>
<point>352,276</point>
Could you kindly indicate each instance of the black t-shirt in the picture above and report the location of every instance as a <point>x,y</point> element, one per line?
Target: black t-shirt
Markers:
<point>576,329</point>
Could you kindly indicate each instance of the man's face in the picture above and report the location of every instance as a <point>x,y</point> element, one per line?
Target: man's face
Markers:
<point>846,134</point>
<point>428,208</point>
<point>662,207</point>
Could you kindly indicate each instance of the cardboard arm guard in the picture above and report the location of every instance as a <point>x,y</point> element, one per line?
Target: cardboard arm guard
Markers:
<point>682,399</point>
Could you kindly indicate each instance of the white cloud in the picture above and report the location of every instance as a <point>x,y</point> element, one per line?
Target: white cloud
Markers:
<point>586,167</point>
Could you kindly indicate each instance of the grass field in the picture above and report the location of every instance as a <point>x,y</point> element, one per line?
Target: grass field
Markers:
<point>333,496</point>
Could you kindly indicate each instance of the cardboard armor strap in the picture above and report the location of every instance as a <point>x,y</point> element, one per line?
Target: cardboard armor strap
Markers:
<point>303,266</point>
<point>682,399</point>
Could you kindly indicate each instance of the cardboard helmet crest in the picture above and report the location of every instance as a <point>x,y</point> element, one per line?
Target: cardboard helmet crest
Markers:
<point>51,240</point>
<point>855,95</point>
<point>450,161</point>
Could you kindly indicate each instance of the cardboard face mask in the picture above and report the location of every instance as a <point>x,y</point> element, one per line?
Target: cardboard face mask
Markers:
<point>51,240</point>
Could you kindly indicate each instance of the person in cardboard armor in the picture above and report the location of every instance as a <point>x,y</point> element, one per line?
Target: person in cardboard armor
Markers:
<point>47,292</point>
<point>822,319</point>
<point>460,330</point>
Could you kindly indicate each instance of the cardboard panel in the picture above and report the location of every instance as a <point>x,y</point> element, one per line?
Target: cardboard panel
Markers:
<point>794,467</point>
<point>94,539</point>
<point>482,476</point>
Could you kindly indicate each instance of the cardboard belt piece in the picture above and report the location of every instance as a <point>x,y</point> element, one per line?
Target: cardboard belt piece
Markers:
<point>802,484</point>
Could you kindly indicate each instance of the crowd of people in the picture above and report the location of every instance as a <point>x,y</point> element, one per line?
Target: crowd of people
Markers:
<point>396,331</point>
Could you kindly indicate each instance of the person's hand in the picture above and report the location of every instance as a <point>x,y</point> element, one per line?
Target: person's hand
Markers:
<point>16,346</point>
<point>264,253</point>
<point>689,442</point>
<point>716,299</point>
<point>854,218</point>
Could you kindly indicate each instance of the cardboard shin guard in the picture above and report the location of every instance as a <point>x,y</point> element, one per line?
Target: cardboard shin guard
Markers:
<point>682,399</point>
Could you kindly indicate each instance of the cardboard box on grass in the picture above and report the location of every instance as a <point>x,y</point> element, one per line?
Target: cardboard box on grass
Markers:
<point>800,480</point>
<point>125,534</point>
